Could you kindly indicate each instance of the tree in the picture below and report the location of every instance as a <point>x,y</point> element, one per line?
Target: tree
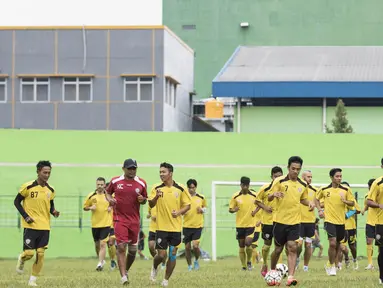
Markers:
<point>340,122</point>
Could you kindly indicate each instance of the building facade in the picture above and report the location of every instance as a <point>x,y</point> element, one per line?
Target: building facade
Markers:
<point>95,78</point>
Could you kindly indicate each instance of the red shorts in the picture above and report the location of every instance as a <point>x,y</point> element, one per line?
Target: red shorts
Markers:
<point>127,232</point>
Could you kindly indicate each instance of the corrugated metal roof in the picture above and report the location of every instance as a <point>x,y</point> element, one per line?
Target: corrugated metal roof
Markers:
<point>304,63</point>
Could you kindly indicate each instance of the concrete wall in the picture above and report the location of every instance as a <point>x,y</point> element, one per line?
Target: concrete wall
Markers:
<point>364,120</point>
<point>217,29</point>
<point>105,54</point>
<point>178,60</point>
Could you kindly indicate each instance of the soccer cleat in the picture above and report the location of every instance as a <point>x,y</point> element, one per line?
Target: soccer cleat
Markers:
<point>264,270</point>
<point>327,268</point>
<point>190,268</point>
<point>196,265</point>
<point>305,268</point>
<point>163,266</point>
<point>348,263</point>
<point>165,283</point>
<point>113,265</point>
<point>20,265</point>
<point>32,283</point>
<point>369,267</point>
<point>249,266</point>
<point>291,281</point>
<point>153,274</point>
<point>100,266</point>
<point>125,280</point>
<point>356,265</point>
<point>380,282</point>
<point>332,271</point>
<point>244,269</point>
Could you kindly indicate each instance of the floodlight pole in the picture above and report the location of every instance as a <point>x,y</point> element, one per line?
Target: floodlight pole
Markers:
<point>324,114</point>
<point>238,115</point>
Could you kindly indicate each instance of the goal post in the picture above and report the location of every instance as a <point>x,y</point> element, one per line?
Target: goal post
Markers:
<point>213,206</point>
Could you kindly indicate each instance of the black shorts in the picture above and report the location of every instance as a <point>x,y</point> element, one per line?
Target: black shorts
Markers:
<point>267,232</point>
<point>370,231</point>
<point>191,234</point>
<point>152,236</point>
<point>242,233</point>
<point>283,233</point>
<point>379,235</point>
<point>100,234</point>
<point>335,231</point>
<point>141,245</point>
<point>307,230</point>
<point>165,239</point>
<point>34,239</point>
<point>256,237</point>
<point>350,236</point>
<point>111,232</point>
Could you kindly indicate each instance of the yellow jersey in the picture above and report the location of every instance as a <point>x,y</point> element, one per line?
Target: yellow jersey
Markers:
<point>172,198</point>
<point>36,204</point>
<point>153,222</point>
<point>334,207</point>
<point>307,215</point>
<point>193,219</point>
<point>376,194</point>
<point>246,205</point>
<point>101,217</point>
<point>371,213</point>
<point>288,208</point>
<point>262,196</point>
<point>258,217</point>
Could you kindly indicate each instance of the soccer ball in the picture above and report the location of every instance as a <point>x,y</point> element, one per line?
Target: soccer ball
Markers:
<point>283,269</point>
<point>273,278</point>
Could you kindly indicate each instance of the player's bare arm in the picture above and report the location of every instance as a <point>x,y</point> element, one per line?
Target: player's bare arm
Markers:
<point>319,207</point>
<point>153,202</point>
<point>277,195</point>
<point>53,210</point>
<point>373,204</point>
<point>256,210</point>
<point>350,203</point>
<point>19,198</point>
<point>109,198</point>
<point>267,209</point>
<point>141,199</point>
<point>308,203</point>
<point>182,211</point>
<point>234,210</point>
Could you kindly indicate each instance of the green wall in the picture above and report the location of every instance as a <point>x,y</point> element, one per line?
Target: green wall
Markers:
<point>364,120</point>
<point>99,153</point>
<point>272,22</point>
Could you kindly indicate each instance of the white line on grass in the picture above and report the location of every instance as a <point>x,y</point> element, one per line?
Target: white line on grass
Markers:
<point>207,166</point>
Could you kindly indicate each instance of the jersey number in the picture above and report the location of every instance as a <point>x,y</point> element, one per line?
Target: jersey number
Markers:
<point>328,194</point>
<point>286,187</point>
<point>34,194</point>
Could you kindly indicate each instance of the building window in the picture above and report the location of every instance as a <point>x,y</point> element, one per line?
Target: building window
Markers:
<point>170,93</point>
<point>77,89</point>
<point>138,89</point>
<point>3,90</point>
<point>34,90</point>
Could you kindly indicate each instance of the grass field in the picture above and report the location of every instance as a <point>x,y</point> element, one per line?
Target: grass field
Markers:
<point>79,273</point>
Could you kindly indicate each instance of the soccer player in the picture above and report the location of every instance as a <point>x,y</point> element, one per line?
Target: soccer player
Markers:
<point>97,203</point>
<point>193,224</point>
<point>37,199</point>
<point>316,241</point>
<point>171,200</point>
<point>252,239</point>
<point>336,198</point>
<point>152,234</point>
<point>267,217</point>
<point>375,200</point>
<point>289,193</point>
<point>307,232</point>
<point>242,203</point>
<point>141,245</point>
<point>129,193</point>
<point>370,228</point>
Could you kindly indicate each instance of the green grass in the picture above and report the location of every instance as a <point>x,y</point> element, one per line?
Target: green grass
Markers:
<point>81,273</point>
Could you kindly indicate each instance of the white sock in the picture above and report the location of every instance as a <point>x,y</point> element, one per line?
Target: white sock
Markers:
<point>33,278</point>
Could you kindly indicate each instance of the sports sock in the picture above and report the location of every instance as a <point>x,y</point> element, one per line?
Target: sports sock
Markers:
<point>249,253</point>
<point>265,254</point>
<point>380,262</point>
<point>370,249</point>
<point>38,265</point>
<point>242,256</point>
<point>112,252</point>
<point>254,256</point>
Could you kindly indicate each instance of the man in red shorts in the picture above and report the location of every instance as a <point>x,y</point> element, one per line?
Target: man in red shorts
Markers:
<point>129,193</point>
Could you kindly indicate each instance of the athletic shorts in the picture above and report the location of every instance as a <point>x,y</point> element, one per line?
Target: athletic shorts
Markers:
<point>315,244</point>
<point>335,231</point>
<point>242,233</point>
<point>307,230</point>
<point>255,238</point>
<point>101,234</point>
<point>283,233</point>
<point>379,235</point>
<point>127,233</point>
<point>267,232</point>
<point>370,231</point>
<point>191,234</point>
<point>141,245</point>
<point>350,236</point>
<point>34,239</point>
<point>152,236</point>
<point>111,233</point>
<point>165,239</point>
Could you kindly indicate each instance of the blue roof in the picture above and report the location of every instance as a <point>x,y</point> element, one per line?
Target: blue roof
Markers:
<point>302,72</point>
